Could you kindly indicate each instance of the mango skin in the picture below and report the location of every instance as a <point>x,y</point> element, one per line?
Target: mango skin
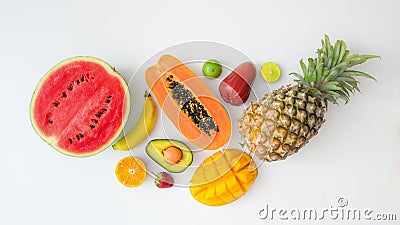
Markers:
<point>223,177</point>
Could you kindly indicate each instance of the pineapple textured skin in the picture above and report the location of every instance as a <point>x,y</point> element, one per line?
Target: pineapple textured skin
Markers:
<point>280,123</point>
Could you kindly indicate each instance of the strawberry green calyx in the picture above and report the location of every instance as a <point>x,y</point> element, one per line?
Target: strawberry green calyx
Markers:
<point>163,180</point>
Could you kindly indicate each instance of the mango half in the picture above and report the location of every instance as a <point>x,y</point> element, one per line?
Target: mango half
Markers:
<point>223,177</point>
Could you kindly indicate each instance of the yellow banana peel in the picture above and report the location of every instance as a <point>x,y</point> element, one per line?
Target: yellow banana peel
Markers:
<point>142,129</point>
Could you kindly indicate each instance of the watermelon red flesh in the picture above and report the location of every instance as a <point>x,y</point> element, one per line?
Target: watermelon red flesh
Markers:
<point>80,107</point>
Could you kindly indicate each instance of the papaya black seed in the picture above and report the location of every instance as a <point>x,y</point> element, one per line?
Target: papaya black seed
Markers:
<point>50,121</point>
<point>70,141</point>
<point>107,101</point>
<point>95,121</point>
<point>64,95</point>
<point>192,107</point>
<point>92,126</point>
<point>81,136</point>
<point>70,87</point>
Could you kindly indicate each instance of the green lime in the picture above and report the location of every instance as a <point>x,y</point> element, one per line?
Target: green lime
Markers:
<point>270,72</point>
<point>212,68</point>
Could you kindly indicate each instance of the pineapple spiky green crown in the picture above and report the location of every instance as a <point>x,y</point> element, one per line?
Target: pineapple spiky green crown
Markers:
<point>328,77</point>
<point>283,121</point>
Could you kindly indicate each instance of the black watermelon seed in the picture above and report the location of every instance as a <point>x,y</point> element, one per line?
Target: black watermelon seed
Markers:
<point>64,95</point>
<point>92,126</point>
<point>92,77</point>
<point>103,109</point>
<point>81,136</point>
<point>70,141</point>
<point>50,121</point>
<point>82,78</point>
<point>70,87</point>
<point>78,81</point>
<point>95,121</point>
<point>109,96</point>
<point>107,101</point>
<point>77,137</point>
<point>56,104</point>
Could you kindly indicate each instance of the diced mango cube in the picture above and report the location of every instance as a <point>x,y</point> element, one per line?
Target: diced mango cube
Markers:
<point>223,178</point>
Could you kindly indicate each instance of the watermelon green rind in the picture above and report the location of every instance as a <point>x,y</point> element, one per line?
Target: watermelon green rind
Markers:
<point>126,104</point>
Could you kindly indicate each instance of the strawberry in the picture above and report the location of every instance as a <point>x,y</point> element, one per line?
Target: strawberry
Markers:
<point>164,180</point>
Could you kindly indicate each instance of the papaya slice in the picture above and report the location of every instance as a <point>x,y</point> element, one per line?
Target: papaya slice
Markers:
<point>189,103</point>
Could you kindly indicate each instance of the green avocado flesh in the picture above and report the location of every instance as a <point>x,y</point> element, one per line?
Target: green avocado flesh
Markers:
<point>155,150</point>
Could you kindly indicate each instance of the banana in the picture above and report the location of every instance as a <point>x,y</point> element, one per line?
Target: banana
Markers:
<point>142,128</point>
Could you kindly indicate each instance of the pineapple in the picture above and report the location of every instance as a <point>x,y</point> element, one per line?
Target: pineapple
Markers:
<point>280,123</point>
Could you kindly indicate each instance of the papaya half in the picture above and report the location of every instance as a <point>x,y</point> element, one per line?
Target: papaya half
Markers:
<point>189,103</point>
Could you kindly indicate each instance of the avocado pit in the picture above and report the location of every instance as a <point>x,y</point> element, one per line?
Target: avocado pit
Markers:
<point>172,154</point>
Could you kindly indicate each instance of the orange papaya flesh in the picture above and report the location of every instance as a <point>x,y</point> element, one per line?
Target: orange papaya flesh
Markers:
<point>223,177</point>
<point>189,103</point>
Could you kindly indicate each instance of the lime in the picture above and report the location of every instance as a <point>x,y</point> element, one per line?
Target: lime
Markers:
<point>270,71</point>
<point>212,68</point>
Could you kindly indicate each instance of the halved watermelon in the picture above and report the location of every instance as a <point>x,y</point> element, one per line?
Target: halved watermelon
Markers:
<point>80,106</point>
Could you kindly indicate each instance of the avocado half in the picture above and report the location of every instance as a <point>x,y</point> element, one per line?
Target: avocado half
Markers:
<point>155,150</point>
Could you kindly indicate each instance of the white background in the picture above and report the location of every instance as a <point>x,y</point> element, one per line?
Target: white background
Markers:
<point>355,156</point>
